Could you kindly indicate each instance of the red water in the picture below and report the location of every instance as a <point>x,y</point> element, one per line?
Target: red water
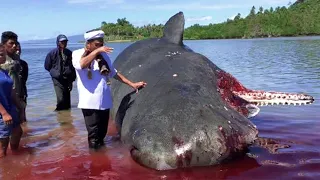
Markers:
<point>55,147</point>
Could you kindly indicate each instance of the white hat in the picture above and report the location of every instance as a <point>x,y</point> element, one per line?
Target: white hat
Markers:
<point>93,35</point>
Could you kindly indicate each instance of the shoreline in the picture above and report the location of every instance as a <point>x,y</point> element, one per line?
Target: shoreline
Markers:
<point>131,40</point>
<point>117,41</point>
<point>235,38</point>
<point>253,38</point>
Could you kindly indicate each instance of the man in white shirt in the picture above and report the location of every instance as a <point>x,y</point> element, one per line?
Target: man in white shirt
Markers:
<point>94,92</point>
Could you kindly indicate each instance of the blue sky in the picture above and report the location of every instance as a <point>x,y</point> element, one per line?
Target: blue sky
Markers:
<point>41,19</point>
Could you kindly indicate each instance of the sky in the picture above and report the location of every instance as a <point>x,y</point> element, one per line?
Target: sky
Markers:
<point>43,19</point>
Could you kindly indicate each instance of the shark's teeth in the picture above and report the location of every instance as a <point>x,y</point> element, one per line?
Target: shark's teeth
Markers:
<point>266,103</point>
<point>261,98</point>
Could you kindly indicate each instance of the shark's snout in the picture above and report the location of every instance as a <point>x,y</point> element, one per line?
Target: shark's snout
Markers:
<point>151,151</point>
<point>200,148</point>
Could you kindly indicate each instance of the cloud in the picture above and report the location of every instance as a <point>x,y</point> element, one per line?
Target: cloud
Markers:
<point>264,3</point>
<point>82,1</point>
<point>23,37</point>
<point>276,2</point>
<point>95,1</point>
<point>146,22</point>
<point>199,5</point>
<point>185,6</point>
<point>197,19</point>
<point>232,17</point>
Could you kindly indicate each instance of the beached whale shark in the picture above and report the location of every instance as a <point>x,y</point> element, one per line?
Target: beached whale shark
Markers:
<point>191,113</point>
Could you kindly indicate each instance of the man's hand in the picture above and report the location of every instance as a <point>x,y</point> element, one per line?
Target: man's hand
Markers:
<point>137,85</point>
<point>105,49</point>
<point>87,58</point>
<point>70,86</point>
<point>7,119</point>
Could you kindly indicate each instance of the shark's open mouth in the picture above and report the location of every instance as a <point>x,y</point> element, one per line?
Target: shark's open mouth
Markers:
<point>245,100</point>
<point>262,98</point>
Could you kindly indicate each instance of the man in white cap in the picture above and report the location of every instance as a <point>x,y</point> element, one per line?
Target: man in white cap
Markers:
<point>94,92</point>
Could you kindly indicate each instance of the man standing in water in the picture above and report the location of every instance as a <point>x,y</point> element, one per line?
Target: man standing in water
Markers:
<point>10,40</point>
<point>10,129</point>
<point>59,63</point>
<point>94,91</point>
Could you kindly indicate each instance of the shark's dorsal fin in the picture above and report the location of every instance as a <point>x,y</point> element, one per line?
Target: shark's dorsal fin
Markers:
<point>174,28</point>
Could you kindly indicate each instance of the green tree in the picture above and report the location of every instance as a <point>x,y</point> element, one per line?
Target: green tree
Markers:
<point>260,10</point>
<point>300,18</point>
<point>237,17</point>
<point>252,12</point>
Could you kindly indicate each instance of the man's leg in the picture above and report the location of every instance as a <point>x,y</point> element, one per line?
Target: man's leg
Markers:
<point>59,93</point>
<point>66,97</point>
<point>16,137</point>
<point>4,142</point>
<point>91,121</point>
<point>23,103</point>
<point>103,116</point>
<point>5,133</point>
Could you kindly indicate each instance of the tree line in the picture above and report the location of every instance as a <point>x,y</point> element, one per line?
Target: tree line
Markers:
<point>124,30</point>
<point>299,18</point>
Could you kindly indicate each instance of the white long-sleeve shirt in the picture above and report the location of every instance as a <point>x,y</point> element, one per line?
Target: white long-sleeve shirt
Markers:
<point>93,93</point>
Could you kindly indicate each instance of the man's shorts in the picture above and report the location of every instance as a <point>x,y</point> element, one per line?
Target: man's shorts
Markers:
<point>5,130</point>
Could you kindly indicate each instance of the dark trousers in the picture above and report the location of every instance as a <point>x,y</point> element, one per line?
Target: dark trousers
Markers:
<point>62,90</point>
<point>97,126</point>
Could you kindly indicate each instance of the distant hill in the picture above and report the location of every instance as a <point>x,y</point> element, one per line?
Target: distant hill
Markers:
<point>72,39</point>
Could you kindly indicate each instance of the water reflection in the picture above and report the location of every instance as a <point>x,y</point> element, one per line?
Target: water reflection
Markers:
<point>65,119</point>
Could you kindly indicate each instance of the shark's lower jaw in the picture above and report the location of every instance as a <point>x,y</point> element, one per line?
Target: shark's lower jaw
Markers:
<point>261,98</point>
<point>245,100</point>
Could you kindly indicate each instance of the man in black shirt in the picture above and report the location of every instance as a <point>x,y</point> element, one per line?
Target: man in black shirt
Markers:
<point>59,63</point>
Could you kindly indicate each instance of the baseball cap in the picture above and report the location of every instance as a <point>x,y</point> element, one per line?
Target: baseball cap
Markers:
<point>63,38</point>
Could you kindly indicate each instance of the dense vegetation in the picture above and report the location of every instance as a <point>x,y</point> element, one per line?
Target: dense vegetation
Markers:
<point>124,30</point>
<point>300,18</point>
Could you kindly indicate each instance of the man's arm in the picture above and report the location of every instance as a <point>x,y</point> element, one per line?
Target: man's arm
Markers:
<point>3,111</point>
<point>124,80</point>
<point>86,58</point>
<point>27,71</point>
<point>48,62</point>
<point>72,69</point>
<point>17,103</point>
<point>14,74</point>
<point>73,74</point>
